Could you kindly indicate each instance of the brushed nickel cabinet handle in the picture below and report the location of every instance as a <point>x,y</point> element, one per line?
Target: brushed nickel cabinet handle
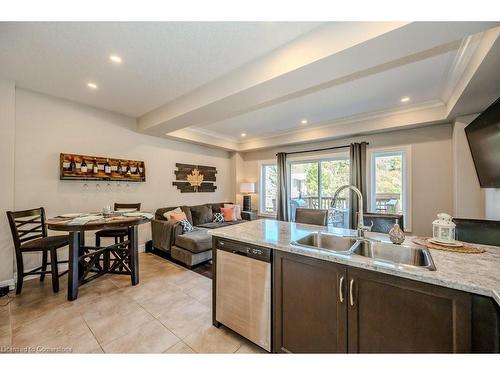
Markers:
<point>351,296</point>
<point>341,289</point>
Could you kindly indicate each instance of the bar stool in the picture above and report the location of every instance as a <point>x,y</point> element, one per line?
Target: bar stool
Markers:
<point>118,234</point>
<point>382,223</point>
<point>311,216</point>
<point>30,235</point>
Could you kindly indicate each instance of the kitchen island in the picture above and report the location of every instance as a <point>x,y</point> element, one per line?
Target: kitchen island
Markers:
<point>329,302</point>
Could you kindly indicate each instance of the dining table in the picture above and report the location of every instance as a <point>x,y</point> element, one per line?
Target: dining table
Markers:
<point>86,263</point>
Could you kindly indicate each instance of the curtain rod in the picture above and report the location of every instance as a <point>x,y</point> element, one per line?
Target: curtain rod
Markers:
<point>318,149</point>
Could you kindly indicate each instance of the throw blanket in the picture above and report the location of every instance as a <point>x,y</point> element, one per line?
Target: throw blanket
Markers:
<point>164,233</point>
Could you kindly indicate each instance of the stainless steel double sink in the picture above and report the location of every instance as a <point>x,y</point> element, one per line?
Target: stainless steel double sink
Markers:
<point>382,253</point>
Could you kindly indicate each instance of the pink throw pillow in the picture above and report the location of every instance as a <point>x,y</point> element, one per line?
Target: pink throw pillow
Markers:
<point>178,216</point>
<point>229,213</point>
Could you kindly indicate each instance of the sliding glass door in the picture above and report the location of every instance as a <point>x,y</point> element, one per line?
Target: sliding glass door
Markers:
<point>313,184</point>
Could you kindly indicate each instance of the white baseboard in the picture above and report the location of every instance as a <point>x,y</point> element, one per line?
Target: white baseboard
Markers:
<point>10,283</point>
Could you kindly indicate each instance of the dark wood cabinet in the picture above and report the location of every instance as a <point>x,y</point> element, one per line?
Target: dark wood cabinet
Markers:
<point>309,316</point>
<point>388,314</point>
<point>324,307</point>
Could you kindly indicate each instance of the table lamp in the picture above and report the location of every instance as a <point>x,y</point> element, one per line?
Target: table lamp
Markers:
<point>247,188</point>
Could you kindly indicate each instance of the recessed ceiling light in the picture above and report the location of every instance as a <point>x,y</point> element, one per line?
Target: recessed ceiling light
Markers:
<point>243,134</point>
<point>116,59</point>
<point>405,99</point>
<point>304,121</point>
<point>92,85</point>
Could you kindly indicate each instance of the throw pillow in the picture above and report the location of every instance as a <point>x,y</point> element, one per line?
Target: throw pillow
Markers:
<point>218,217</point>
<point>229,213</point>
<point>167,214</point>
<point>237,209</point>
<point>186,226</point>
<point>202,214</point>
<point>178,216</point>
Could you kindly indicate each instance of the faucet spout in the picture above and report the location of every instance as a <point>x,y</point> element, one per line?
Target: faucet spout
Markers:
<point>360,225</point>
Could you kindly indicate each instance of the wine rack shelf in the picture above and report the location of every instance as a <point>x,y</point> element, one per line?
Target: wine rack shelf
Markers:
<point>81,167</point>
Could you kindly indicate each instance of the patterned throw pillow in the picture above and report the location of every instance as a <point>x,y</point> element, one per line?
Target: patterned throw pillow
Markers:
<point>186,226</point>
<point>218,217</point>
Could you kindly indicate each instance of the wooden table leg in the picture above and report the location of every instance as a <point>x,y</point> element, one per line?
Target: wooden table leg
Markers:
<point>74,269</point>
<point>134,254</point>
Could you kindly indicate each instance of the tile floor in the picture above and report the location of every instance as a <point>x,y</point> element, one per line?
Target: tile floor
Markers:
<point>168,312</point>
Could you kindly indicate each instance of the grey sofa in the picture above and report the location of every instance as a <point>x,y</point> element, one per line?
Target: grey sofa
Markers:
<point>193,247</point>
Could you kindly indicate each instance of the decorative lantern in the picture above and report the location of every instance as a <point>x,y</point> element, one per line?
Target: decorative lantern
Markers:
<point>443,229</point>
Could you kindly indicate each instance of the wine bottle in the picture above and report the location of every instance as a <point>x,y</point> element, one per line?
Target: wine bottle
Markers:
<point>72,165</point>
<point>95,167</point>
<point>139,169</point>
<point>128,171</point>
<point>83,167</point>
<point>120,168</point>
<point>107,167</point>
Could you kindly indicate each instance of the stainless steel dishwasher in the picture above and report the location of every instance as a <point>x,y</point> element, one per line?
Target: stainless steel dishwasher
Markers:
<point>243,290</point>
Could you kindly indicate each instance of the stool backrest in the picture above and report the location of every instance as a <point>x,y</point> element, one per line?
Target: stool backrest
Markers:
<point>136,206</point>
<point>485,232</point>
<point>382,223</point>
<point>27,225</point>
<point>311,216</point>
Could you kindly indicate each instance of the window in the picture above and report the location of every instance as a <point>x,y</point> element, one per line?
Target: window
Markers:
<point>268,189</point>
<point>313,184</point>
<point>390,182</point>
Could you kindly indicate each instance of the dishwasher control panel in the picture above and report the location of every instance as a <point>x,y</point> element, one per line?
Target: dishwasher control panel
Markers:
<point>251,251</point>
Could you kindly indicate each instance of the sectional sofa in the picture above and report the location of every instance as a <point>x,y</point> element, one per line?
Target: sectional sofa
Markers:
<point>193,247</point>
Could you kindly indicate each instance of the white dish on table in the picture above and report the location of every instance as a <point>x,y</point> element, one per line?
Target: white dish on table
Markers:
<point>71,216</point>
<point>133,214</point>
<point>443,243</point>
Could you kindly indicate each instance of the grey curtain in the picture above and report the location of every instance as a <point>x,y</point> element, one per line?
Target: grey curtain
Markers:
<point>282,211</point>
<point>357,153</point>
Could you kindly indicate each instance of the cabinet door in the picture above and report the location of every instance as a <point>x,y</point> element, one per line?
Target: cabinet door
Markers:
<point>309,316</point>
<point>388,314</point>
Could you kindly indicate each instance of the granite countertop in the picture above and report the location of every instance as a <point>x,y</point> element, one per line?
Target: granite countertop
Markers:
<point>474,273</point>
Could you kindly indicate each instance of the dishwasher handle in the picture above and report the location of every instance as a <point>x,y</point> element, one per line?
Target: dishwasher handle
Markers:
<point>243,249</point>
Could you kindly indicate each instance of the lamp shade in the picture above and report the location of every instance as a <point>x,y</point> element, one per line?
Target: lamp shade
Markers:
<point>247,187</point>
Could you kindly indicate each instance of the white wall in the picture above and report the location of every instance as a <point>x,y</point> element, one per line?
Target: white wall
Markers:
<point>46,126</point>
<point>468,197</point>
<point>7,133</point>
<point>432,183</point>
<point>492,203</point>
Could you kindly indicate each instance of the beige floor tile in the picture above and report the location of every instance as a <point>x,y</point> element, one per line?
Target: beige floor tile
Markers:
<point>180,348</point>
<point>62,330</point>
<point>213,340</point>
<point>55,322</point>
<point>151,337</point>
<point>113,315</point>
<point>121,281</point>
<point>4,317</point>
<point>114,303</point>
<point>5,339</point>
<point>100,288</point>
<point>149,289</point>
<point>185,318</point>
<point>250,348</point>
<point>183,278</point>
<point>108,327</point>
<point>26,313</point>
<point>169,299</point>
<point>202,293</point>
<point>196,283</point>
